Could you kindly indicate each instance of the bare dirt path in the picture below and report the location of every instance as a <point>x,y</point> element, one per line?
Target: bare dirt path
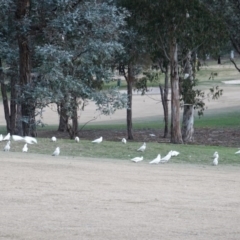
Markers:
<point>43,197</point>
<point>144,108</point>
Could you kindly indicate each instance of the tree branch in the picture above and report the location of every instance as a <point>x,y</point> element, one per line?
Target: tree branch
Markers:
<point>235,64</point>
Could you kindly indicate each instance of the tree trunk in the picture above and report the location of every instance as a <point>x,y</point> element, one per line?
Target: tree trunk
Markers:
<point>13,106</point>
<point>73,129</point>
<point>164,97</point>
<point>75,119</point>
<point>19,129</point>
<point>129,109</point>
<point>176,136</point>
<point>63,118</point>
<point>188,112</point>
<point>187,124</point>
<point>24,66</point>
<point>5,99</point>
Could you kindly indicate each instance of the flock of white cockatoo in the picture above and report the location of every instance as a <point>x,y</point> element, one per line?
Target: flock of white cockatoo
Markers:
<point>157,160</point>
<point>32,140</point>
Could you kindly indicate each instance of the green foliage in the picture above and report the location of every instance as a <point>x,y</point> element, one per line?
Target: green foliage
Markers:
<point>73,44</point>
<point>192,96</point>
<point>151,76</point>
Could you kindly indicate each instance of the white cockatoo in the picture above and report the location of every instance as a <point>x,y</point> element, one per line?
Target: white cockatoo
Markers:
<point>152,135</point>
<point>56,152</point>
<point>7,137</point>
<point>77,139</point>
<point>7,147</point>
<point>156,160</point>
<point>17,138</point>
<point>137,159</point>
<point>166,158</point>
<point>30,140</point>
<point>124,140</point>
<point>215,159</point>
<point>142,148</point>
<point>98,140</point>
<point>237,152</point>
<point>53,139</point>
<point>25,148</point>
<point>175,153</point>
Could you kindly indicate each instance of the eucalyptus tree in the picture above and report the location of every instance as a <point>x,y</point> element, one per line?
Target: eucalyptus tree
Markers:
<point>80,44</point>
<point>8,62</point>
<point>168,18</point>
<point>134,42</point>
<point>64,54</point>
<point>21,22</point>
<point>174,29</point>
<point>205,33</point>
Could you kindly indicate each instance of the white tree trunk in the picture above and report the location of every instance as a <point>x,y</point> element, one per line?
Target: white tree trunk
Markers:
<point>176,135</point>
<point>188,112</point>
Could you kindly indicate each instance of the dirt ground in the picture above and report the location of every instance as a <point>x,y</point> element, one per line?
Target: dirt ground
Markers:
<point>43,197</point>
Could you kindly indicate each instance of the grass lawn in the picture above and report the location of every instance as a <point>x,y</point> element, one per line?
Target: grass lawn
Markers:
<point>194,154</point>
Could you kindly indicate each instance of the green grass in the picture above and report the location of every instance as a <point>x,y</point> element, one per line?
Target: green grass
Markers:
<point>211,120</point>
<point>219,120</point>
<point>216,120</point>
<point>193,154</point>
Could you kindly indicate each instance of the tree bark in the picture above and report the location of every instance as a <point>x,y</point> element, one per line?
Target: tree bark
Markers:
<point>28,111</point>
<point>63,118</point>
<point>129,108</point>
<point>75,119</point>
<point>19,129</point>
<point>73,129</point>
<point>187,124</point>
<point>5,99</point>
<point>188,112</point>
<point>176,136</point>
<point>164,97</point>
<point>13,106</point>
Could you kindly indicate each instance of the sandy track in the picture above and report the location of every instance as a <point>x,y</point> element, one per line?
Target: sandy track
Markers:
<point>144,108</point>
<point>71,198</point>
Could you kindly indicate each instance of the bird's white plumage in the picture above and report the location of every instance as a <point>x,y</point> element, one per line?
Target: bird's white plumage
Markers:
<point>56,152</point>
<point>7,137</point>
<point>166,158</point>
<point>53,139</point>
<point>25,148</point>
<point>237,152</point>
<point>175,153</point>
<point>124,140</point>
<point>17,138</point>
<point>1,137</point>
<point>30,140</point>
<point>98,140</point>
<point>156,160</point>
<point>142,148</point>
<point>137,159</point>
<point>7,147</point>
<point>215,160</point>
<point>77,139</point>
<point>152,135</point>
